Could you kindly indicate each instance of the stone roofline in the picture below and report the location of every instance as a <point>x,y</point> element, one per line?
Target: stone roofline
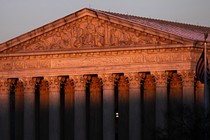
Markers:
<point>87,12</point>
<point>156,19</point>
<point>102,50</point>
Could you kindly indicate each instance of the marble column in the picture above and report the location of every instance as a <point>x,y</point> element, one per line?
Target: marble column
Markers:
<point>29,111</point>
<point>188,81</point>
<point>19,109</point>
<point>54,107</point>
<point>4,109</point>
<point>149,107</point>
<point>95,109</point>
<point>68,110</point>
<point>108,107</point>
<point>188,78</point>
<point>44,110</point>
<point>123,108</point>
<point>79,107</point>
<point>161,99</point>
<point>134,106</point>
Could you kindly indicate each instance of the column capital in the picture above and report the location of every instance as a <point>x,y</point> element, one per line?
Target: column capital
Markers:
<point>54,83</point>
<point>107,80</point>
<point>188,78</point>
<point>161,78</point>
<point>4,86</point>
<point>79,82</point>
<point>29,84</point>
<point>134,79</point>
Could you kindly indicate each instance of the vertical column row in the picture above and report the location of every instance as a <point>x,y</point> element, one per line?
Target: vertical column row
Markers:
<point>108,107</point>
<point>79,110</point>
<point>4,109</point>
<point>29,108</point>
<point>161,94</point>
<point>134,106</point>
<point>161,99</point>
<point>188,81</point>
<point>54,107</point>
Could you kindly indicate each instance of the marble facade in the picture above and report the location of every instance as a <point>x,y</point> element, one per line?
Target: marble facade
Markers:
<point>88,67</point>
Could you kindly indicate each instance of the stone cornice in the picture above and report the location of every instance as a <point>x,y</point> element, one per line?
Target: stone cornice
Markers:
<point>163,48</point>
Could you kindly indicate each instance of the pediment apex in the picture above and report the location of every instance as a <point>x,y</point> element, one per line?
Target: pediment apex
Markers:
<point>87,29</point>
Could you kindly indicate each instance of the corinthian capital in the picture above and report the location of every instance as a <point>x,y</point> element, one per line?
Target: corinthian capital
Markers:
<point>29,84</point>
<point>161,78</point>
<point>134,79</point>
<point>79,82</point>
<point>107,80</point>
<point>53,82</point>
<point>4,86</point>
<point>188,78</point>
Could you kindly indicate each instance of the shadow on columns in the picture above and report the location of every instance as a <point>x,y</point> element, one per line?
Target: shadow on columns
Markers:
<point>16,109</point>
<point>94,108</point>
<point>41,109</point>
<point>175,116</point>
<point>121,108</point>
<point>148,107</point>
<point>4,109</point>
<point>67,108</point>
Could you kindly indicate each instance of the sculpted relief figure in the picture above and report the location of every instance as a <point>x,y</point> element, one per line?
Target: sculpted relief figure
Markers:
<point>120,37</point>
<point>100,35</point>
<point>37,46</point>
<point>116,36</point>
<point>66,36</point>
<point>77,34</point>
<point>88,38</point>
<point>135,38</point>
<point>55,42</point>
<point>87,32</point>
<point>126,38</point>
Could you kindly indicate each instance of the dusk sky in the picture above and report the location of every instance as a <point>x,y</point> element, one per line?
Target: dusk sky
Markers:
<point>21,16</point>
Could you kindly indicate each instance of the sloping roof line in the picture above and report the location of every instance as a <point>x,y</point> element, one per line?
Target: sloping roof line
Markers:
<point>187,31</point>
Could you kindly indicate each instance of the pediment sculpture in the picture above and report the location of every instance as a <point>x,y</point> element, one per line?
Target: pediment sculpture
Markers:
<point>88,32</point>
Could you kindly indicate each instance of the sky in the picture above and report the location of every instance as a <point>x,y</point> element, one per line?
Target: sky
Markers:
<point>20,16</point>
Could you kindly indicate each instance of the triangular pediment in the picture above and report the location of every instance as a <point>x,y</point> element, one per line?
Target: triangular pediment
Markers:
<point>89,32</point>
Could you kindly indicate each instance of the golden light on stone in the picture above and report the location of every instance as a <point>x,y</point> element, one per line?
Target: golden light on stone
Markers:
<point>94,51</point>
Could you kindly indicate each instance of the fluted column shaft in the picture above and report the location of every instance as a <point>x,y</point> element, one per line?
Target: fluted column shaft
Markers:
<point>4,109</point>
<point>80,108</point>
<point>29,108</point>
<point>108,107</point>
<point>54,108</point>
<point>29,105</point>
<point>134,106</point>
<point>188,88</point>
<point>161,99</point>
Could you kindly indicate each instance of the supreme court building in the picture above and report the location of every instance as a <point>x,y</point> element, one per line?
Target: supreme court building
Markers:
<point>96,75</point>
